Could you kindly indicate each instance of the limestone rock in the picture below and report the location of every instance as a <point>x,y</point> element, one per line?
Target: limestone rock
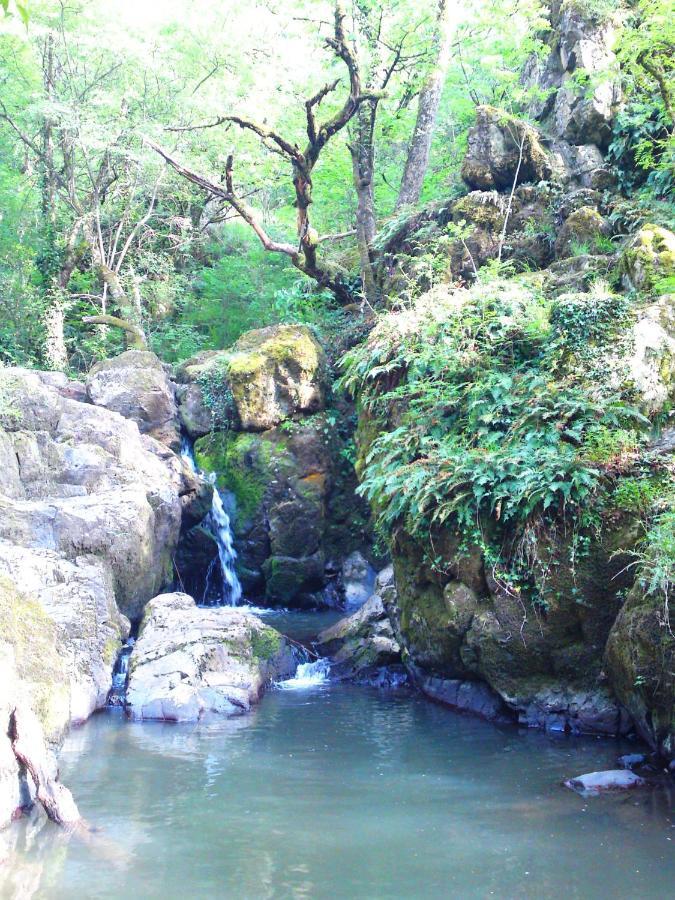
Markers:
<point>274,373</point>
<point>189,664</point>
<point>651,362</point>
<point>358,580</point>
<point>649,259</point>
<point>136,385</point>
<point>493,158</point>
<point>269,375</point>
<point>90,485</point>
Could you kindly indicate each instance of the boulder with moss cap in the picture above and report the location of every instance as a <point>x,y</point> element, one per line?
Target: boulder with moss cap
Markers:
<point>649,260</point>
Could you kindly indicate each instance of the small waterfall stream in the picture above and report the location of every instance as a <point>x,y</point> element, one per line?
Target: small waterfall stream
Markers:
<point>117,694</point>
<point>219,522</point>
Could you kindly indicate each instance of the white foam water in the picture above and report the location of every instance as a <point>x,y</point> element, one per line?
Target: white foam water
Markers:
<point>307,675</point>
<point>222,530</point>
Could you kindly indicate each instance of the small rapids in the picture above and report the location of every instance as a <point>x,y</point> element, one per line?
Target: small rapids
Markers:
<point>220,526</point>
<point>307,675</point>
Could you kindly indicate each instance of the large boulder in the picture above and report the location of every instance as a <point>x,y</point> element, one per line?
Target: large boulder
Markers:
<point>269,375</point>
<point>88,484</point>
<point>189,664</point>
<point>502,151</point>
<point>649,260</point>
<point>136,385</point>
<point>462,625</point>
<point>364,643</point>
<point>640,662</point>
<point>578,91</point>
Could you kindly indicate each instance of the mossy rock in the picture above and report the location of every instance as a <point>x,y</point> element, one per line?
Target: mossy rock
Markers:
<point>275,373</point>
<point>32,639</point>
<point>649,261</point>
<point>580,232</point>
<point>640,663</point>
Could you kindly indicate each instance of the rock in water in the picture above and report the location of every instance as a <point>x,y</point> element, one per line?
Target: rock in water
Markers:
<point>30,750</point>
<point>363,643</point>
<point>190,663</point>
<point>595,783</point>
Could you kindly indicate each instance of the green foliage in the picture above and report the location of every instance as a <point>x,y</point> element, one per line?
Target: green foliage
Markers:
<point>657,556</point>
<point>477,425</point>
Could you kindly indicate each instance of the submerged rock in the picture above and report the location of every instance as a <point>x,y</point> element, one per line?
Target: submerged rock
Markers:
<point>190,663</point>
<point>595,783</point>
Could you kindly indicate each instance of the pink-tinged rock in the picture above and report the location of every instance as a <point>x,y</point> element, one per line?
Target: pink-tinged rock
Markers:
<point>595,783</point>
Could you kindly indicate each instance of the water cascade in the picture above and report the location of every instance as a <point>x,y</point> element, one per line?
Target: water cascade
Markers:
<point>309,674</point>
<point>219,522</point>
<point>121,674</point>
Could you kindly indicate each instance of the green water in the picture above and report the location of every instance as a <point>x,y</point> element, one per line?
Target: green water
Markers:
<point>338,791</point>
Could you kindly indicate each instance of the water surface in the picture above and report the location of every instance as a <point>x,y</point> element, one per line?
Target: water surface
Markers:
<point>344,792</point>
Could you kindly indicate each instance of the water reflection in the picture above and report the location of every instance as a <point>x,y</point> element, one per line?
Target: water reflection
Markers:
<point>342,792</point>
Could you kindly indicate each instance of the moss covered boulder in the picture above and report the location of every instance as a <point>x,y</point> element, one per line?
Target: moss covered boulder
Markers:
<point>648,263</point>
<point>640,662</point>
<point>580,232</point>
<point>269,375</point>
<point>502,150</point>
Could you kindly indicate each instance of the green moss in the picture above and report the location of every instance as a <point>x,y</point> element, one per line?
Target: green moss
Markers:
<point>33,637</point>
<point>265,644</point>
<point>242,465</point>
<point>649,261</point>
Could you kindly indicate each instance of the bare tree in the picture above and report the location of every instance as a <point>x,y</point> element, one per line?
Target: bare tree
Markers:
<point>304,252</point>
<point>429,100</point>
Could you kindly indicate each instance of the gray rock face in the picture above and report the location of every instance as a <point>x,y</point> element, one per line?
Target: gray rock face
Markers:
<point>189,664</point>
<point>358,580</point>
<point>90,515</point>
<point>502,150</point>
<point>580,44</point>
<point>135,384</point>
<point>89,484</point>
<point>364,642</point>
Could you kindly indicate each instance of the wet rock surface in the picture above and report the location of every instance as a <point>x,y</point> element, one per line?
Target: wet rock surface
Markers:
<point>595,783</point>
<point>191,663</point>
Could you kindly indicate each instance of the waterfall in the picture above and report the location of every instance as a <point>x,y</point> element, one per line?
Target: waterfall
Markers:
<point>309,674</point>
<point>118,690</point>
<point>219,523</point>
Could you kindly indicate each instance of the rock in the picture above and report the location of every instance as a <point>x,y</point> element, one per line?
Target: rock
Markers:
<point>493,158</point>
<point>468,696</point>
<point>362,644</point>
<point>269,375</point>
<point>90,485</point>
<point>196,553</point>
<point>189,664</point>
<point>358,580</point>
<point>136,385</point>
<point>280,480</point>
<point>649,259</point>
<point>651,362</point>
<point>595,783</point>
<point>582,44</point>
<point>580,232</point>
<point>275,373</point>
<point>630,760</point>
<point>575,273</point>
<point>195,416</point>
<point>640,664</point>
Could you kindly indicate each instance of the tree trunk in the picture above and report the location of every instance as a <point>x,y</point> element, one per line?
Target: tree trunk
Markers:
<point>363,165</point>
<point>427,111</point>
